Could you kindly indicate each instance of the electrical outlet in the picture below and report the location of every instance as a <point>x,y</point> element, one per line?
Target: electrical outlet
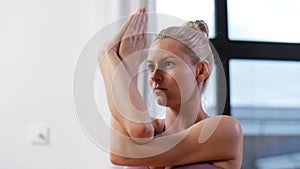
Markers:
<point>40,134</point>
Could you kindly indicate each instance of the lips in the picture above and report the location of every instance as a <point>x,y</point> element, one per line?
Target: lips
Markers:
<point>159,89</point>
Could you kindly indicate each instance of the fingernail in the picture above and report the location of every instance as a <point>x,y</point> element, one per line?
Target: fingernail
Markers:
<point>142,9</point>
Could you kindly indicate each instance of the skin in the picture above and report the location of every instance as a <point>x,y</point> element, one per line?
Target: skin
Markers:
<point>215,139</point>
<point>168,71</point>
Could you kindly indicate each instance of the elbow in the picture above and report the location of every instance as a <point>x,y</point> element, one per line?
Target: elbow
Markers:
<point>117,160</point>
<point>124,161</point>
<point>141,133</point>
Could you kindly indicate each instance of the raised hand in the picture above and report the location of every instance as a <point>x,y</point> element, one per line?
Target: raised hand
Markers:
<point>134,38</point>
<point>125,102</point>
<point>134,41</point>
<point>129,44</point>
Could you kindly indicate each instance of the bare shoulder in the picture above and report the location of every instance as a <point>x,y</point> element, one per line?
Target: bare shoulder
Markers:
<point>227,128</point>
<point>224,122</point>
<point>223,136</point>
<point>232,124</point>
<point>229,132</point>
<point>223,117</point>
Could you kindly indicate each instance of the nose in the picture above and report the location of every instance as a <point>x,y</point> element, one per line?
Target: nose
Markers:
<point>156,75</point>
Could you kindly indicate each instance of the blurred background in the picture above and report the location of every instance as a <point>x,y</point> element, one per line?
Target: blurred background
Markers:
<point>40,40</point>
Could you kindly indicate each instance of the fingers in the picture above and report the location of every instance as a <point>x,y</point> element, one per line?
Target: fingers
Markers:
<point>141,21</point>
<point>124,28</point>
<point>143,25</point>
<point>127,28</point>
<point>133,39</point>
<point>137,23</point>
<point>145,30</point>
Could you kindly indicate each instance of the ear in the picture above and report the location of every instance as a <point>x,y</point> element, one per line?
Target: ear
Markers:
<point>202,71</point>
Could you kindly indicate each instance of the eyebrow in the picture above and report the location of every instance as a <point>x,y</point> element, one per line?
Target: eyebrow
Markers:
<point>167,57</point>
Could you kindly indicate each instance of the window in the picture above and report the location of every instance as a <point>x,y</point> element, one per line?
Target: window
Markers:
<point>265,98</point>
<point>190,10</point>
<point>264,20</point>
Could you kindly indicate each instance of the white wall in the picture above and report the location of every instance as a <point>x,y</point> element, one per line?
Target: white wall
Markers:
<point>40,41</point>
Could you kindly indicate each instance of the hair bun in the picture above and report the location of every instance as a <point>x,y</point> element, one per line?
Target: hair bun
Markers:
<point>200,25</point>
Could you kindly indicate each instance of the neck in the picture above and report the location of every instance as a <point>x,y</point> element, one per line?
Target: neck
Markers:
<point>182,117</point>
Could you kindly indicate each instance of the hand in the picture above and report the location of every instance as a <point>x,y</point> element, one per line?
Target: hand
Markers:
<point>134,41</point>
<point>130,41</point>
<point>134,38</point>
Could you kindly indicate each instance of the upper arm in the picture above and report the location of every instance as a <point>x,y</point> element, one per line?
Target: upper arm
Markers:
<point>214,139</point>
<point>217,139</point>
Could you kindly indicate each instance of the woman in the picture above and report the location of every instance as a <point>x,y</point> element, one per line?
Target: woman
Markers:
<point>179,62</point>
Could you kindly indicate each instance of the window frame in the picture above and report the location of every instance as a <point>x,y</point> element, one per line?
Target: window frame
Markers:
<point>228,49</point>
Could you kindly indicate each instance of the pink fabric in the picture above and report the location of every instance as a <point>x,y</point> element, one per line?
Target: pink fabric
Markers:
<point>190,166</point>
<point>197,166</point>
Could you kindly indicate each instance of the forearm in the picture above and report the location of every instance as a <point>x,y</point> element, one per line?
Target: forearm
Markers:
<point>132,64</point>
<point>218,139</point>
<point>125,102</point>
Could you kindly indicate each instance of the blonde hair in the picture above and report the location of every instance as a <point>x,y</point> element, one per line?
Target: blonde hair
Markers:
<point>194,36</point>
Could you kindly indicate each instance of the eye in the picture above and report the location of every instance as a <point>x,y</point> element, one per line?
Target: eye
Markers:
<point>151,67</point>
<point>168,64</point>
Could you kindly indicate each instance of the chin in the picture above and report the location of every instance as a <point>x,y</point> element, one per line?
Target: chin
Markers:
<point>165,103</point>
<point>161,101</point>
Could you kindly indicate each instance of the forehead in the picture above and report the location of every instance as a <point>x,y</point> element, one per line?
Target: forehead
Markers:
<point>165,47</point>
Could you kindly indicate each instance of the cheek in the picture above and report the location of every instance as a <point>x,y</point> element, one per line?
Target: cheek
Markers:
<point>172,82</point>
<point>185,80</point>
<point>183,76</point>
